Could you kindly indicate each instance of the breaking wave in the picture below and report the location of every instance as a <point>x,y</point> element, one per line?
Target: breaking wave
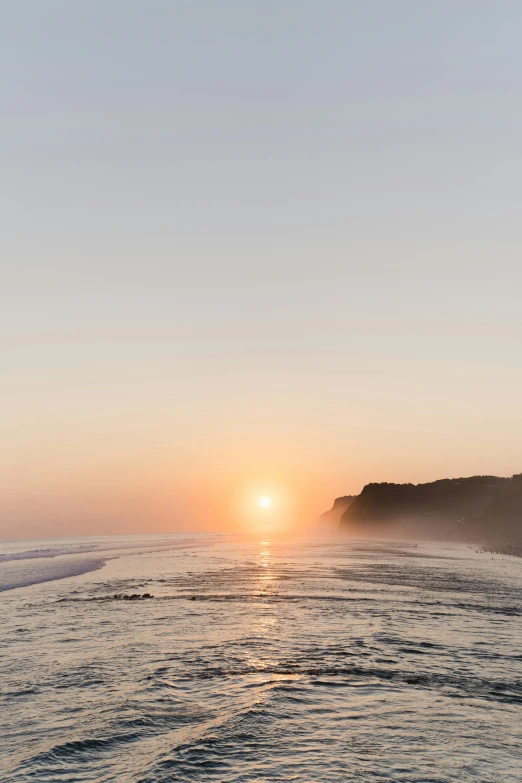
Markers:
<point>39,572</point>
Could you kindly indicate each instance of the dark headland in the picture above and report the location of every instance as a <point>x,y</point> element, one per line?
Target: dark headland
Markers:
<point>332,517</point>
<point>484,509</point>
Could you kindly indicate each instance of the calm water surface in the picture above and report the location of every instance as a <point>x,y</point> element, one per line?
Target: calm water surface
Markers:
<point>259,660</point>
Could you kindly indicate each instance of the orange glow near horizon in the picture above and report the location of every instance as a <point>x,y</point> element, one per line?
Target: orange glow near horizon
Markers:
<point>263,507</point>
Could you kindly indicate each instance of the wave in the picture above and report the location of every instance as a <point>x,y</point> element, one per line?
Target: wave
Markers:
<point>453,685</point>
<point>35,573</point>
<point>37,554</point>
<point>46,564</point>
<point>274,598</point>
<point>107,545</point>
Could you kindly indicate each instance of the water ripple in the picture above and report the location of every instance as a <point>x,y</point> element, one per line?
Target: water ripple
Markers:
<point>259,661</point>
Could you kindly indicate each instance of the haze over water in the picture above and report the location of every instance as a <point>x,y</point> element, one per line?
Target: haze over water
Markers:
<point>259,659</point>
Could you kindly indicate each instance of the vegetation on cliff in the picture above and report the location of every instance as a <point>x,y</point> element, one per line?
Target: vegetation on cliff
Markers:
<point>486,508</point>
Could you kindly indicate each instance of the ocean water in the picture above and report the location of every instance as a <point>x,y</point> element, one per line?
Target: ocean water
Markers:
<point>259,660</point>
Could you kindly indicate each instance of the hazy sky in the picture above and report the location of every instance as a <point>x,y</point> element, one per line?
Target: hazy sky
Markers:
<point>271,244</point>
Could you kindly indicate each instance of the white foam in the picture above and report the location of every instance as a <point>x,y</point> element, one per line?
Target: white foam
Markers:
<point>32,572</point>
<point>18,551</point>
<point>36,554</point>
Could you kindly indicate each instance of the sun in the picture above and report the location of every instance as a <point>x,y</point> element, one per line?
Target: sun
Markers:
<point>262,507</point>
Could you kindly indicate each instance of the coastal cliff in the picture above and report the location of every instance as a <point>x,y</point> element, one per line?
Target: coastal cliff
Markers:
<point>332,517</point>
<point>485,508</point>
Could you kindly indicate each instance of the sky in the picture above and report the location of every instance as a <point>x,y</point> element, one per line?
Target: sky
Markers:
<point>254,248</point>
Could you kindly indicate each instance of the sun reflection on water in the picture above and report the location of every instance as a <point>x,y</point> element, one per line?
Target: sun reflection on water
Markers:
<point>266,561</point>
<point>264,614</point>
<point>264,553</point>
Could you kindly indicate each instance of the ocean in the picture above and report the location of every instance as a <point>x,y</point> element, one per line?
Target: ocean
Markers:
<point>258,659</point>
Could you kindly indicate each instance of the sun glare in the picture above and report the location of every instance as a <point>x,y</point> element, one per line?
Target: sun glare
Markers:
<point>262,507</point>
